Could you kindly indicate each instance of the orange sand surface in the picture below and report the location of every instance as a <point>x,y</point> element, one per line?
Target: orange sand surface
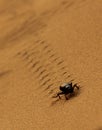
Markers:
<point>44,43</point>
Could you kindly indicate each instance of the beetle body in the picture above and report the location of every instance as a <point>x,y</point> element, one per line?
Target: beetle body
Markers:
<point>66,88</point>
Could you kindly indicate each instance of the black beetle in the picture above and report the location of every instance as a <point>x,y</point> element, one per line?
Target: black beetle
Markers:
<point>66,89</point>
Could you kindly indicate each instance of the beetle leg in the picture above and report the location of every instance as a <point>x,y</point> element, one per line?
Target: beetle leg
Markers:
<point>66,96</point>
<point>75,85</point>
<point>60,93</point>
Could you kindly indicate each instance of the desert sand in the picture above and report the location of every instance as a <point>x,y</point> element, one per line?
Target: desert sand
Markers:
<point>43,44</point>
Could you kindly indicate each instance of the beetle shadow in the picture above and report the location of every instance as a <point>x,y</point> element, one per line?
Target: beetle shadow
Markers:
<point>54,102</point>
<point>70,97</point>
<point>57,101</point>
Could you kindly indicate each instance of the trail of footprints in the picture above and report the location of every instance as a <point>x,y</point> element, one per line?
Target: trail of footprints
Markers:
<point>41,60</point>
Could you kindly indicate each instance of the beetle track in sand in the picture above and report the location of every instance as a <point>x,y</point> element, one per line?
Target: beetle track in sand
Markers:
<point>41,60</point>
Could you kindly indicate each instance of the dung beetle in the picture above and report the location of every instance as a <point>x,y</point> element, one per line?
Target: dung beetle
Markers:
<point>66,89</point>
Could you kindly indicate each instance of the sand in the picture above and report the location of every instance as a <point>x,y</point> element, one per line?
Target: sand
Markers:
<point>42,45</point>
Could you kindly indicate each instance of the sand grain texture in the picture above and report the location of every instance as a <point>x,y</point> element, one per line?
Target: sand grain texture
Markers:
<point>43,44</point>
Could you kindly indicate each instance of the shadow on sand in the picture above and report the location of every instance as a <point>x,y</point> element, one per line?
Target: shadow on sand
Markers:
<point>71,97</point>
